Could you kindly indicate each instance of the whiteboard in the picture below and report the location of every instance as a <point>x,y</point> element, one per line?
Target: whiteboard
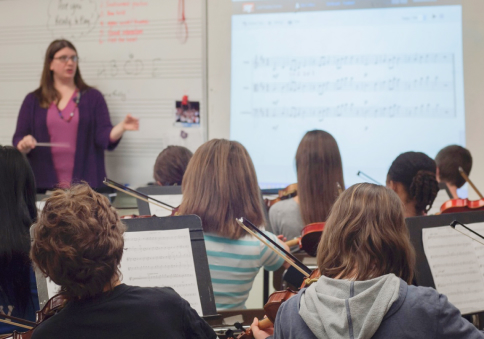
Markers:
<point>137,53</point>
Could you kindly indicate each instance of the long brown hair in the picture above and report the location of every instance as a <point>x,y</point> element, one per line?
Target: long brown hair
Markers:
<point>319,171</point>
<point>220,185</point>
<point>366,237</point>
<point>47,93</point>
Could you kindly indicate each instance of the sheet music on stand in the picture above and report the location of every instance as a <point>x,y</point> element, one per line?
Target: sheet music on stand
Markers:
<point>161,252</point>
<point>457,265</point>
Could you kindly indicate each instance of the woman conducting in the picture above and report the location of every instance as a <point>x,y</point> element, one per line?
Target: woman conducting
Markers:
<point>64,127</point>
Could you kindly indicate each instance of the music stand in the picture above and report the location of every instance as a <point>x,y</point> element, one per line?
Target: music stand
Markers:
<point>423,275</point>
<point>194,224</point>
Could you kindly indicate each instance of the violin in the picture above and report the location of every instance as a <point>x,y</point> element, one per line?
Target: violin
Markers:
<point>309,239</point>
<point>463,205</point>
<point>284,194</point>
<point>277,298</point>
<point>53,306</point>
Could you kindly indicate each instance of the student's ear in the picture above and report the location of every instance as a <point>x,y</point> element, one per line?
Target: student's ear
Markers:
<point>437,175</point>
<point>391,185</point>
<point>159,183</point>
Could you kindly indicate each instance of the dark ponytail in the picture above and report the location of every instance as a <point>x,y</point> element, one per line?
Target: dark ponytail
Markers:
<point>416,172</point>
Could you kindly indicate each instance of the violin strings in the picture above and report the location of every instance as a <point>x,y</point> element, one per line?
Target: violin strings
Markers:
<point>306,274</point>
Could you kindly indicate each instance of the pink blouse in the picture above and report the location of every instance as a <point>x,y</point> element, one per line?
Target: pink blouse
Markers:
<point>63,134</point>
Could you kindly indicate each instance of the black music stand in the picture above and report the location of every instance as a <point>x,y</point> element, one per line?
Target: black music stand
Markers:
<point>144,207</point>
<point>194,224</point>
<point>423,275</point>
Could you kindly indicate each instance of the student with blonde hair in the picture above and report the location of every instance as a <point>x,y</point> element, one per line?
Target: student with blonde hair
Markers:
<point>367,262</point>
<point>219,186</point>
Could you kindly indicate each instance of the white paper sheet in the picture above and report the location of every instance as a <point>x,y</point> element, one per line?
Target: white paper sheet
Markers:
<point>161,258</point>
<point>157,259</point>
<point>456,263</point>
<point>170,199</point>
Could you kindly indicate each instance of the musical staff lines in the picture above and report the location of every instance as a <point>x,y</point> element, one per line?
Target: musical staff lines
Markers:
<point>389,61</point>
<point>138,147</point>
<point>350,84</point>
<point>119,69</point>
<point>456,266</point>
<point>418,85</point>
<point>351,110</point>
<point>162,29</point>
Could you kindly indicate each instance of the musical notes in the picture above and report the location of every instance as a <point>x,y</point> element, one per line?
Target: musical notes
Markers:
<point>377,86</point>
<point>351,110</point>
<point>161,258</point>
<point>339,61</point>
<point>457,266</point>
<point>350,84</point>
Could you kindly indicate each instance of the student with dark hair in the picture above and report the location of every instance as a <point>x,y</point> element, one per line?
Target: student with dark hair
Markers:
<point>72,118</point>
<point>412,177</point>
<point>78,243</point>
<point>319,172</point>
<point>18,291</point>
<point>171,164</point>
<point>367,262</point>
<point>448,161</point>
<point>219,186</point>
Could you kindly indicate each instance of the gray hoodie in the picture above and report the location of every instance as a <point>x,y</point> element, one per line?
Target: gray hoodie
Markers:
<point>385,307</point>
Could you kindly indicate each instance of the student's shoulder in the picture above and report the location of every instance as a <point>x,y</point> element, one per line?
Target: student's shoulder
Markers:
<point>419,297</point>
<point>282,207</point>
<point>155,294</point>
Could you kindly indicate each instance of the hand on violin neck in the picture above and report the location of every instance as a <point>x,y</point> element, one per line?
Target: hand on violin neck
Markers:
<point>259,333</point>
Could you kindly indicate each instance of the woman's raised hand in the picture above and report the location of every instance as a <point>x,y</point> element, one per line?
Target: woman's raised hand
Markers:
<point>130,123</point>
<point>26,144</point>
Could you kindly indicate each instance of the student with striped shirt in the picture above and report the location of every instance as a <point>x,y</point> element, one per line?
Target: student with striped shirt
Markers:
<point>220,185</point>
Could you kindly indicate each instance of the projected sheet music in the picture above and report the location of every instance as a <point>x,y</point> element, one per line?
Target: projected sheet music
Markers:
<point>382,81</point>
<point>457,265</point>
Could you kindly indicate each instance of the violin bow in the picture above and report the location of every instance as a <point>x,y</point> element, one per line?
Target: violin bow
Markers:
<point>466,178</point>
<point>8,319</point>
<point>256,232</point>
<point>136,194</point>
<point>361,174</point>
<point>455,223</point>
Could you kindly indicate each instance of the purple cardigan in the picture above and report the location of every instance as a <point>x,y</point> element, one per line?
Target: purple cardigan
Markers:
<point>92,139</point>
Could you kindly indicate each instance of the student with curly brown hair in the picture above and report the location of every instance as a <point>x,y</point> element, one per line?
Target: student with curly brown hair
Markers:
<point>412,176</point>
<point>78,243</point>
<point>367,262</point>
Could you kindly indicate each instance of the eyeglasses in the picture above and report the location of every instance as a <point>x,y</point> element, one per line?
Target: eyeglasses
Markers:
<point>66,58</point>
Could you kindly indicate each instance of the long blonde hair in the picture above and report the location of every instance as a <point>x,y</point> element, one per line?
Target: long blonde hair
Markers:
<point>366,237</point>
<point>220,185</point>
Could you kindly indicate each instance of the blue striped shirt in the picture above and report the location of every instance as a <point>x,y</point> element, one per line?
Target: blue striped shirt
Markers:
<point>234,264</point>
